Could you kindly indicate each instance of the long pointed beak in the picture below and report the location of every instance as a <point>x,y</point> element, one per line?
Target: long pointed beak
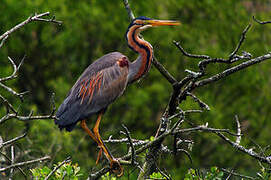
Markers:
<point>155,22</point>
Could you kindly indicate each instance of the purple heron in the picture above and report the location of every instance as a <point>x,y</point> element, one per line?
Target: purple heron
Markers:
<point>104,81</point>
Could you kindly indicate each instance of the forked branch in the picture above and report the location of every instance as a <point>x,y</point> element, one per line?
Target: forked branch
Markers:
<point>36,17</point>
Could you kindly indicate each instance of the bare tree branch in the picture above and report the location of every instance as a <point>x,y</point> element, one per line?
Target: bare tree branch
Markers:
<point>260,22</point>
<point>204,128</point>
<point>128,8</point>
<point>30,117</point>
<point>16,138</point>
<point>133,159</point>
<point>202,104</point>
<point>243,36</point>
<point>15,70</point>
<point>163,71</point>
<point>10,90</point>
<point>20,169</point>
<point>238,138</point>
<point>12,162</point>
<point>36,17</point>
<point>25,163</point>
<point>11,111</point>
<point>188,54</point>
<point>98,174</point>
<point>236,174</point>
<point>232,70</point>
<point>4,40</point>
<point>250,152</point>
<point>68,159</point>
<point>136,142</point>
<point>7,104</point>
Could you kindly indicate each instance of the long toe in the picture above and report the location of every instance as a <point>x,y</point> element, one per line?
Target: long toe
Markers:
<point>99,155</point>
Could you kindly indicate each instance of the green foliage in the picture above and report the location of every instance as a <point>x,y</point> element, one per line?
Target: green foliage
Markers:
<point>264,174</point>
<point>152,138</point>
<point>157,175</point>
<point>108,176</point>
<point>67,170</point>
<point>213,174</point>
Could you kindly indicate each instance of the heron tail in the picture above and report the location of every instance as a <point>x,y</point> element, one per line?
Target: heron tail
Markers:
<point>67,117</point>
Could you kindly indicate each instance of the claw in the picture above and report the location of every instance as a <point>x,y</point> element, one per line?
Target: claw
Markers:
<point>116,167</point>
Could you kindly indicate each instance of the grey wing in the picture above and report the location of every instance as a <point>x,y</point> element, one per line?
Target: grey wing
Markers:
<point>93,92</point>
<point>100,90</point>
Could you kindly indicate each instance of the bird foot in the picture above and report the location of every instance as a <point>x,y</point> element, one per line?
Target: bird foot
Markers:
<point>116,168</point>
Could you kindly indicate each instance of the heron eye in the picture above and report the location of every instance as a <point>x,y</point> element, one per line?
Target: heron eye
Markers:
<point>144,22</point>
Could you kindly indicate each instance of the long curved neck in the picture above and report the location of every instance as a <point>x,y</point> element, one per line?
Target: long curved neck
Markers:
<point>143,62</point>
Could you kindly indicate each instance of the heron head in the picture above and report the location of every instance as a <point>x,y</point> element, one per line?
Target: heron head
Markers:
<point>146,22</point>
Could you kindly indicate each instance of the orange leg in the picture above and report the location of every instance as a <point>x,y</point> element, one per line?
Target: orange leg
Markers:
<point>85,127</point>
<point>114,164</point>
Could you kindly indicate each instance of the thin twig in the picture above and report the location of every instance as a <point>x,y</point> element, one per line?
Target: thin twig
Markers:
<point>163,71</point>
<point>184,141</point>
<point>202,104</point>
<point>260,22</point>
<point>163,173</point>
<point>30,117</point>
<point>228,177</point>
<point>203,128</point>
<point>178,45</point>
<point>20,169</point>
<point>236,174</point>
<point>15,69</point>
<point>192,111</point>
<point>68,159</point>
<point>98,174</point>
<point>136,142</point>
<point>244,150</point>
<point>232,70</point>
<point>128,8</point>
<point>4,40</point>
<point>36,17</point>
<point>20,95</point>
<point>64,174</point>
<point>12,162</point>
<point>53,104</point>
<point>8,105</point>
<point>15,139</point>
<point>243,36</point>
<point>177,124</point>
<point>1,142</point>
<point>133,159</point>
<point>187,154</point>
<point>238,138</point>
<point>25,163</point>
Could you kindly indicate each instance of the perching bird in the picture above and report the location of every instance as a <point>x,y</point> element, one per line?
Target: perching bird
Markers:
<point>104,81</point>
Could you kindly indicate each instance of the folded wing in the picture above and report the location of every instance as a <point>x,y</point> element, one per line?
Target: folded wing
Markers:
<point>100,84</point>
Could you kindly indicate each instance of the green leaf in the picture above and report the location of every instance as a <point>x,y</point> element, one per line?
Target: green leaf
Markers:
<point>69,170</point>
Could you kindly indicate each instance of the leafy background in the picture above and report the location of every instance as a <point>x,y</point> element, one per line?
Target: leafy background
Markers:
<point>57,55</point>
